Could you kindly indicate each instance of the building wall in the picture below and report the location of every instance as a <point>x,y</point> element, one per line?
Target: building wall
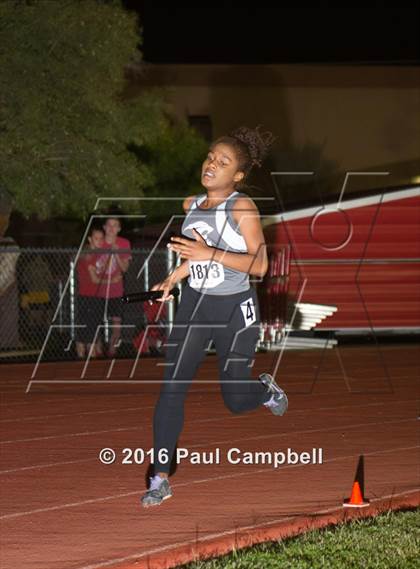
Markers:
<point>362,126</point>
<point>365,116</point>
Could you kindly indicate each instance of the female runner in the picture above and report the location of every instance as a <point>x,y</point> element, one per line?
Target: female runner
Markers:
<point>223,245</point>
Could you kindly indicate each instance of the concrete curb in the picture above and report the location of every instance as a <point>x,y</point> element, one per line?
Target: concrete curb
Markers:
<point>231,540</point>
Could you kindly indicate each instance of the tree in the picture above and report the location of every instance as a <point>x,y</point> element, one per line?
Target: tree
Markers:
<point>174,158</point>
<point>66,135</point>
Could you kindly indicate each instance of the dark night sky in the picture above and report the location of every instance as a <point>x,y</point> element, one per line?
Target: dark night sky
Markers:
<point>259,32</point>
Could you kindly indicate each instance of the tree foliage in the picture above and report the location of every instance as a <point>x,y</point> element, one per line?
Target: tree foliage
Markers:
<point>66,135</point>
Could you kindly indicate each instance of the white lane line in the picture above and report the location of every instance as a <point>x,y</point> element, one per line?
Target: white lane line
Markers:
<point>135,556</point>
<point>195,481</point>
<point>76,414</point>
<point>36,398</point>
<point>114,410</point>
<point>228,441</point>
<point>286,378</point>
<point>217,418</point>
<point>82,434</point>
<point>35,401</point>
<point>305,432</point>
<point>89,433</point>
<point>49,465</point>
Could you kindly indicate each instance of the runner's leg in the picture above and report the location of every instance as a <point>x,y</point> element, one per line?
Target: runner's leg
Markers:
<point>185,350</point>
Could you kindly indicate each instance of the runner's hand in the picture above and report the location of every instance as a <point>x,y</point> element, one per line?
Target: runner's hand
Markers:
<point>197,250</point>
<point>166,286</point>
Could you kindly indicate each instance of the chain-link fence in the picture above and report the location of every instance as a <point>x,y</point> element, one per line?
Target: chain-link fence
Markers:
<point>51,310</point>
<point>45,305</point>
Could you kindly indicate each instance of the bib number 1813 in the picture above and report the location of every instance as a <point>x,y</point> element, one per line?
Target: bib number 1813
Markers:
<point>207,274</point>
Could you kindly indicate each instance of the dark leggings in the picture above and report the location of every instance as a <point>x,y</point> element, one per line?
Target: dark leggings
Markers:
<point>234,330</point>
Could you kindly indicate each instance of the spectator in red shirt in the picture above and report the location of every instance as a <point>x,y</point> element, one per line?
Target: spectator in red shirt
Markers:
<point>89,303</point>
<point>111,267</point>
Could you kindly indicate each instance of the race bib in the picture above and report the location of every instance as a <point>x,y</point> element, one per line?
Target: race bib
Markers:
<point>206,274</point>
<point>249,312</point>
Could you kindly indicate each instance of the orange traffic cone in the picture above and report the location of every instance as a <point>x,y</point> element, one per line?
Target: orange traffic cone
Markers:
<point>356,499</point>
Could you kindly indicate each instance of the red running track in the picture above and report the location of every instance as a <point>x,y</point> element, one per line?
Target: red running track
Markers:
<point>63,509</point>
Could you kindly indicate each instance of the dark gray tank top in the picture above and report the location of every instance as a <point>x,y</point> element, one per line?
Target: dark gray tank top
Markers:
<point>219,230</point>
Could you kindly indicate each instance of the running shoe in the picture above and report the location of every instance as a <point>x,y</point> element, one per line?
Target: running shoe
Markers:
<point>278,402</point>
<point>158,491</point>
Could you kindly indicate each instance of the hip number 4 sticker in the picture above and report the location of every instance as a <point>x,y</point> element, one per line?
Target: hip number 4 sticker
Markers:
<point>249,312</point>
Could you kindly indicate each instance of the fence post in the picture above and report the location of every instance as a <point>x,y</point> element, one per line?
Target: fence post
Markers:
<point>169,266</point>
<point>72,305</point>
<point>146,273</point>
<point>60,304</point>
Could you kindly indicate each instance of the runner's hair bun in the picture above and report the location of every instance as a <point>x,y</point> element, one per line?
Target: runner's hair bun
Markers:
<point>257,143</point>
